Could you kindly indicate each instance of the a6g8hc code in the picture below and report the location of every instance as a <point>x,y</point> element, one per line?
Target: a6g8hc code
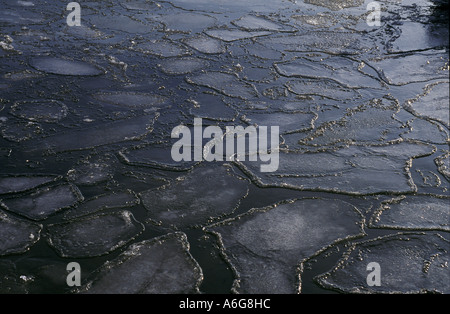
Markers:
<point>246,304</point>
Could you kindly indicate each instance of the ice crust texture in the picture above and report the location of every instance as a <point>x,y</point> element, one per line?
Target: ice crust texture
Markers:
<point>86,172</point>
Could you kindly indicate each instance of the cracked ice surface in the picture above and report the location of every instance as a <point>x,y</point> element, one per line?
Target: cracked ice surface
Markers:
<point>353,170</point>
<point>369,123</point>
<point>107,201</point>
<point>433,104</point>
<point>336,4</point>
<point>205,44</point>
<point>397,69</point>
<point>64,67</point>
<point>410,264</point>
<point>90,137</point>
<point>133,100</point>
<point>196,198</point>
<point>225,83</point>
<point>42,203</point>
<point>183,66</point>
<point>17,235</point>
<point>413,213</point>
<point>21,183</point>
<point>159,265</point>
<point>94,235</point>
<point>47,111</point>
<point>340,69</point>
<point>265,245</point>
<point>86,115</point>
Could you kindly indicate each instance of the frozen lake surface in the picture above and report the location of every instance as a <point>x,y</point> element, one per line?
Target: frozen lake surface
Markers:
<point>87,175</point>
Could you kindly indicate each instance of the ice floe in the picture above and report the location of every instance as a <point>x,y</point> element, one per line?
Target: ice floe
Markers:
<point>409,263</point>
<point>352,170</point>
<point>225,83</point>
<point>99,135</point>
<point>163,48</point>
<point>40,110</point>
<point>93,235</point>
<point>397,70</point>
<point>266,245</point>
<point>23,182</point>
<point>17,235</point>
<point>133,99</point>
<point>196,198</point>
<point>113,200</point>
<point>433,103</point>
<point>413,212</point>
<point>229,35</point>
<point>160,265</point>
<point>53,65</point>
<point>205,44</point>
<point>43,202</point>
<point>183,65</point>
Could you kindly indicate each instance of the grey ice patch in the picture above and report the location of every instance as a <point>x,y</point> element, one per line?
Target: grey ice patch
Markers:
<point>17,235</point>
<point>91,172</point>
<point>83,31</point>
<point>230,35</point>
<point>417,36</point>
<point>336,5</point>
<point>410,263</point>
<point>321,87</point>
<point>186,22</point>
<point>342,70</point>
<point>40,110</point>
<point>212,107</point>
<point>336,43</point>
<point>182,66</point>
<point>53,65</point>
<point>43,202</point>
<point>369,123</point>
<point>133,99</point>
<point>93,235</point>
<point>289,122</point>
<point>354,170</point>
<point>433,103</point>
<point>120,23</point>
<point>155,266</point>
<point>23,182</point>
<point>319,20</point>
<point>19,131</point>
<point>99,135</point>
<point>205,44</point>
<point>224,83</point>
<point>163,48</point>
<point>154,156</point>
<point>140,5</point>
<point>197,198</point>
<point>399,70</point>
<point>426,131</point>
<point>413,213</point>
<point>266,245</point>
<point>258,23</point>
<point>109,201</point>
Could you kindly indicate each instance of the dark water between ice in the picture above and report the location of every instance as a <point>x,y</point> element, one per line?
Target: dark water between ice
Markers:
<point>86,175</point>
